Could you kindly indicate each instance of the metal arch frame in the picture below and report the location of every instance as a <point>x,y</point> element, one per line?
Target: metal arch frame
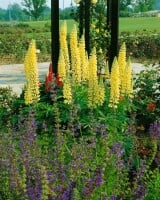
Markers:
<point>112,25</point>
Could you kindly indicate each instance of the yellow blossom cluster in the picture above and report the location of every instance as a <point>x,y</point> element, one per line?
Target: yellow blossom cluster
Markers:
<point>82,70</point>
<point>121,78</point>
<point>122,65</point>
<point>84,59</point>
<point>94,1</point>
<point>63,45</point>
<point>61,66</point>
<point>67,92</point>
<point>75,57</point>
<point>96,92</point>
<point>125,71</point>
<point>114,84</point>
<point>31,71</point>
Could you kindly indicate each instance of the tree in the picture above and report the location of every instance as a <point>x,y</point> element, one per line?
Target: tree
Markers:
<point>16,12</point>
<point>34,8</point>
<point>144,5</point>
<point>2,14</point>
<point>124,4</point>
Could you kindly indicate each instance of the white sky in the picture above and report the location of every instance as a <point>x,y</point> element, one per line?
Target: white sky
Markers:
<point>4,3</point>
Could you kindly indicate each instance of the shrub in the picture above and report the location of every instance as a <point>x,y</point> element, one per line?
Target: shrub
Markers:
<point>147,96</point>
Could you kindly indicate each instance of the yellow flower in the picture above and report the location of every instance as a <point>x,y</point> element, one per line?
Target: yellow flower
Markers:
<point>115,84</point>
<point>31,72</point>
<point>96,92</point>
<point>84,63</point>
<point>64,46</point>
<point>75,57</point>
<point>128,75</point>
<point>122,66</point>
<point>97,30</point>
<point>94,1</point>
<point>61,66</point>
<point>28,94</point>
<point>101,94</point>
<point>93,66</point>
<point>67,92</point>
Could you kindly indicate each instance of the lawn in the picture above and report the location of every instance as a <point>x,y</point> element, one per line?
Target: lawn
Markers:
<point>142,23</point>
<point>125,24</point>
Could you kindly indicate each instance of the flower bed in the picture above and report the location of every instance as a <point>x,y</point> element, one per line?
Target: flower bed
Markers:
<point>77,135</point>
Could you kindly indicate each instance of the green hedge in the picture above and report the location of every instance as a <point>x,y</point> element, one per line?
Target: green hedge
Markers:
<point>140,45</point>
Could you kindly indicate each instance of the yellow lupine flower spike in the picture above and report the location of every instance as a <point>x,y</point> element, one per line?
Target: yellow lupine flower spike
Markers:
<point>67,92</point>
<point>115,84</point>
<point>64,46</point>
<point>84,65</point>
<point>94,1</point>
<point>31,72</point>
<point>93,66</point>
<point>122,66</point>
<point>61,66</point>
<point>75,57</point>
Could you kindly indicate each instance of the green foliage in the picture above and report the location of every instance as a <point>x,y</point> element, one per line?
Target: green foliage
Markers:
<point>34,8</point>
<point>147,96</point>
<point>142,45</point>
<point>7,97</point>
<point>56,149</point>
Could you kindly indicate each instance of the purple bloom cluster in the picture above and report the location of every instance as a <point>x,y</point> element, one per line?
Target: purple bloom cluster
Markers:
<point>94,182</point>
<point>119,152</point>
<point>154,130</point>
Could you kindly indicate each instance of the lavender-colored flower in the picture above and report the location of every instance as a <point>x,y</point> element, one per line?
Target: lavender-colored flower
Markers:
<point>118,151</point>
<point>154,130</point>
<point>140,191</point>
<point>102,130</point>
<point>113,197</point>
<point>68,193</point>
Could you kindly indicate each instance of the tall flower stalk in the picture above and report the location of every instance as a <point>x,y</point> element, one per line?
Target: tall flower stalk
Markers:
<point>75,57</point>
<point>84,59</point>
<point>95,90</point>
<point>63,45</point>
<point>31,72</point>
<point>122,66</point>
<point>115,84</point>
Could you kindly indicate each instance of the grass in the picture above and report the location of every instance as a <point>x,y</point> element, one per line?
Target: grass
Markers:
<point>125,24</point>
<point>150,24</point>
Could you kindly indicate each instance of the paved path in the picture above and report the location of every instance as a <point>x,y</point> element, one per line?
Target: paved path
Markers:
<point>13,75</point>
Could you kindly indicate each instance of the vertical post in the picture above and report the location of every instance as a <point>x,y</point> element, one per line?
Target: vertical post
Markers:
<point>87,25</point>
<point>81,18</point>
<point>55,34</point>
<point>113,24</point>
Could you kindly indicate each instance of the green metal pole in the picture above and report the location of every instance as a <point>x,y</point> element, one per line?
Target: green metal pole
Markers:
<point>55,34</point>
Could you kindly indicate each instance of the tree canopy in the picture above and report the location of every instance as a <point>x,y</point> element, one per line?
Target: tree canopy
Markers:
<point>34,8</point>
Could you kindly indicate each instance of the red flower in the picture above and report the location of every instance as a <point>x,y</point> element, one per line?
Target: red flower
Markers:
<point>49,78</point>
<point>121,98</point>
<point>151,107</point>
<point>59,81</point>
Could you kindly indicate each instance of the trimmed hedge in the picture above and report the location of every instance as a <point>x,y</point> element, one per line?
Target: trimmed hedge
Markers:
<point>140,45</point>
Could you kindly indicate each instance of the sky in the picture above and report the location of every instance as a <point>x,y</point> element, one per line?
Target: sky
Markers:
<point>4,3</point>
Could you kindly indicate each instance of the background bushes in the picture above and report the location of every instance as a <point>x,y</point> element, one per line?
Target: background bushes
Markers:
<point>14,42</point>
